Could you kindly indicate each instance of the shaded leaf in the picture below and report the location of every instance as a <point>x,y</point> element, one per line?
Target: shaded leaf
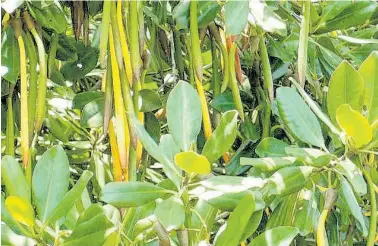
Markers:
<point>171,213</point>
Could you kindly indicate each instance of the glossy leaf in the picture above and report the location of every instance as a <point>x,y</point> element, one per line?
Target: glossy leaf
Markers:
<point>312,157</point>
<point>191,162</point>
<point>86,62</point>
<point>354,175</point>
<point>92,114</point>
<point>232,184</point>
<point>279,236</point>
<point>184,115</point>
<point>348,196</point>
<point>171,213</point>
<point>82,99</point>
<point>367,71</point>
<point>153,149</point>
<point>253,223</point>
<point>289,180</point>
<point>236,16</point>
<point>90,228</point>
<point>50,181</point>
<point>9,237</point>
<point>71,197</point>
<point>355,126</point>
<point>268,163</point>
<point>271,147</point>
<point>20,209</point>
<point>223,102</point>
<point>299,118</point>
<point>131,194</point>
<point>345,86</point>
<point>52,17</point>
<point>222,138</point>
<point>10,171</point>
<point>149,101</point>
<point>263,16</point>
<point>239,219</point>
<point>10,56</point>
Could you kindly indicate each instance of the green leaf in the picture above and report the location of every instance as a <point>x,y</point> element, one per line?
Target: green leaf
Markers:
<point>253,224</point>
<point>223,137</point>
<point>50,181</point>
<point>11,171</point>
<point>7,218</point>
<point>279,50</point>
<point>170,169</point>
<point>66,50</point>
<point>131,194</point>
<point>11,5</point>
<point>353,14</point>
<point>9,237</point>
<point>312,157</point>
<point>232,184</point>
<point>168,146</point>
<point>271,147</point>
<point>268,163</point>
<point>299,118</point>
<point>149,101</point>
<point>288,180</point>
<point>92,114</point>
<point>356,127</point>
<point>349,198</point>
<point>20,209</point>
<point>345,86</point>
<point>367,71</point>
<point>70,199</point>
<point>10,56</point>
<point>223,102</point>
<point>91,227</point>
<point>86,62</point>
<point>307,214</point>
<point>171,213</point>
<point>184,115</point>
<point>279,236</point>
<point>228,201</point>
<point>237,222</point>
<point>236,16</point>
<point>51,17</point>
<point>83,98</point>
<point>354,175</point>
<point>193,163</point>
<point>208,10</point>
<point>264,17</point>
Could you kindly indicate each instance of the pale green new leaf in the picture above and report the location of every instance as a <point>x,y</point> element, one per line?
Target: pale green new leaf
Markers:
<point>171,213</point>
<point>279,236</point>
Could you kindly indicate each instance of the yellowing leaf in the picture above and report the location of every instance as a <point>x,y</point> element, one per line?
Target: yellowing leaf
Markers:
<point>355,125</point>
<point>191,162</point>
<point>20,209</point>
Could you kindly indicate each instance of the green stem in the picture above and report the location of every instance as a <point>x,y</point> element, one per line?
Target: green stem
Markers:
<point>136,61</point>
<point>178,53</point>
<point>215,78</point>
<point>10,123</point>
<point>303,43</point>
<point>373,209</point>
<point>268,81</point>
<point>52,54</point>
<point>234,82</point>
<point>196,49</point>
<point>104,32</point>
<point>33,77</point>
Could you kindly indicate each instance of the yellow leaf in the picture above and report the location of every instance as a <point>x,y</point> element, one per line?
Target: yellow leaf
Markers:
<point>191,162</point>
<point>20,209</point>
<point>355,125</point>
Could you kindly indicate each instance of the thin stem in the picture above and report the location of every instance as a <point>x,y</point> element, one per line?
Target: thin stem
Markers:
<point>104,32</point>
<point>234,82</point>
<point>9,150</point>
<point>268,81</point>
<point>303,43</point>
<point>373,209</point>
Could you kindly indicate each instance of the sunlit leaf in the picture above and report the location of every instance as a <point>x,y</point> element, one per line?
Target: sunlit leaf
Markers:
<point>191,162</point>
<point>20,209</point>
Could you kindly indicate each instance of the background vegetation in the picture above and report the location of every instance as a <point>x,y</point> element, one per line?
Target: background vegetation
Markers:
<point>189,123</point>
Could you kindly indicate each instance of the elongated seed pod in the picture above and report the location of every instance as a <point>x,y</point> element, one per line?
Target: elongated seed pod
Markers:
<point>42,79</point>
<point>234,82</point>
<point>136,61</point>
<point>52,53</point>
<point>24,95</point>
<point>303,43</point>
<point>9,150</point>
<point>268,81</point>
<point>117,168</point>
<point>104,32</point>
<point>33,77</point>
<point>124,46</point>
<point>205,110</point>
<point>321,231</point>
<point>196,49</point>
<point>123,137</point>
